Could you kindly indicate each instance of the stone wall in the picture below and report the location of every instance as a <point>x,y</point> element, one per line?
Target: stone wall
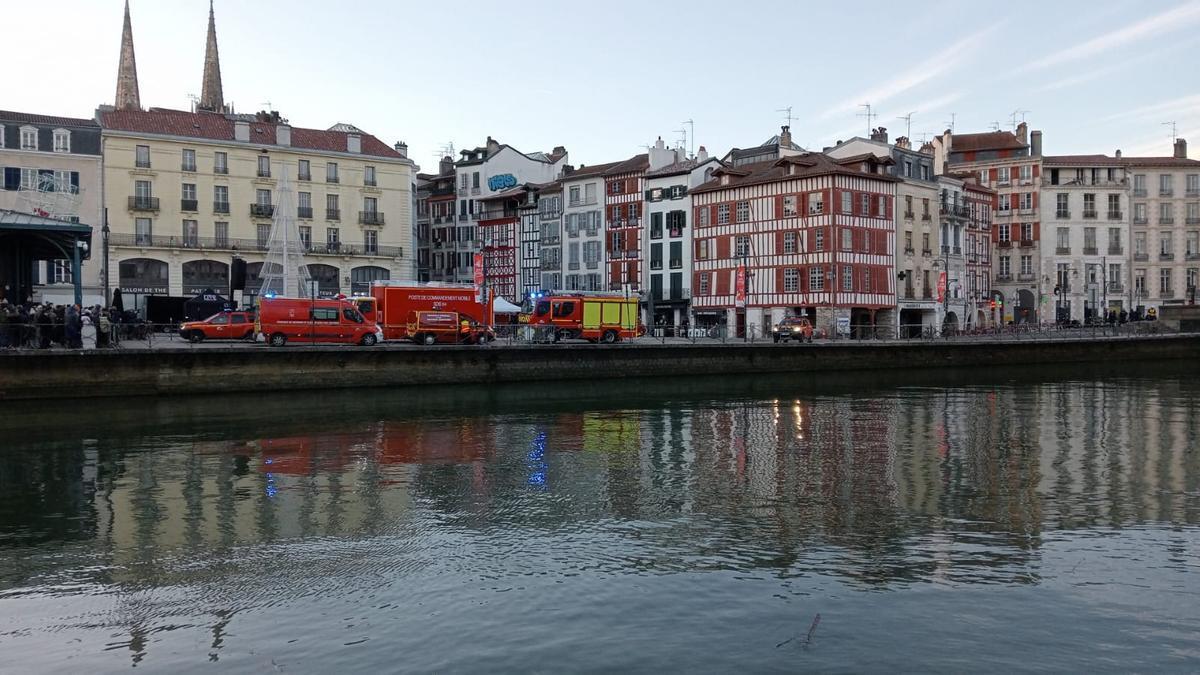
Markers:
<point>32,375</point>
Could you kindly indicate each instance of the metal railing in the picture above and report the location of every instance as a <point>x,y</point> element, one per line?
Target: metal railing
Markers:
<point>189,205</point>
<point>143,203</point>
<point>262,210</point>
<point>333,214</point>
<point>370,218</point>
<point>304,212</point>
<point>220,207</point>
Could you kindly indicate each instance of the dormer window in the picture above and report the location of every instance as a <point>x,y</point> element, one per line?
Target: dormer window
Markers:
<point>62,140</point>
<point>29,138</point>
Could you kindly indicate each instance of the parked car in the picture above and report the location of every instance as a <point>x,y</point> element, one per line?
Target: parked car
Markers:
<point>796,328</point>
<point>220,326</point>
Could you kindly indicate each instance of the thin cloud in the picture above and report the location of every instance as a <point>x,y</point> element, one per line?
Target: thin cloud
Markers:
<point>1186,104</point>
<point>936,66</point>
<point>1161,146</point>
<point>1165,22</point>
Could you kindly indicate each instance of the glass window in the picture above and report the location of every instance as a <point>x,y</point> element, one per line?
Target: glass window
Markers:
<point>189,160</point>
<point>789,205</point>
<point>743,211</point>
<point>142,157</point>
<point>331,172</point>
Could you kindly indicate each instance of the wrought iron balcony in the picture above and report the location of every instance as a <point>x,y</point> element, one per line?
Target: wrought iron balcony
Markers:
<point>304,212</point>
<point>264,173</point>
<point>1141,257</point>
<point>369,182</point>
<point>189,205</point>
<point>1166,192</point>
<point>1026,243</point>
<point>220,207</point>
<point>262,210</point>
<point>370,218</point>
<point>333,214</point>
<point>1166,256</point>
<point>221,170</point>
<point>143,203</point>
<point>1116,250</point>
<point>1062,214</point>
<point>188,167</point>
<point>1139,192</point>
<point>1062,250</point>
<point>305,176</point>
<point>1090,215</point>
<point>1090,250</point>
<point>1115,215</point>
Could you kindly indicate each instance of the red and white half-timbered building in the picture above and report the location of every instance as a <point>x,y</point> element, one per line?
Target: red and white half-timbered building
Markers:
<point>623,194</point>
<point>815,236</point>
<point>498,224</point>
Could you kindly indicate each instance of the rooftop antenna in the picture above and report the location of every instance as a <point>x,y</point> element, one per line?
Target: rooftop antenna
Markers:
<point>908,122</point>
<point>1013,118</point>
<point>692,136</point>
<point>789,117</point>
<point>869,115</point>
<point>683,138</point>
<point>950,124</point>
<point>995,126</point>
<point>1174,130</point>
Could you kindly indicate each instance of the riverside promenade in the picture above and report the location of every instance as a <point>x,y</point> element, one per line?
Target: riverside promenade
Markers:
<point>172,367</point>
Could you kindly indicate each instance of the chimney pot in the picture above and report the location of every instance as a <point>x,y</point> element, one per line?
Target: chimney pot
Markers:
<point>1118,153</point>
<point>1180,148</point>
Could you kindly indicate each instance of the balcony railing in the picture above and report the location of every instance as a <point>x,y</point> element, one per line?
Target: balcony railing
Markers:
<point>220,207</point>
<point>304,212</point>
<point>1191,255</point>
<point>926,216</point>
<point>1116,250</point>
<point>1192,192</point>
<point>1003,277</point>
<point>1166,293</point>
<point>1166,256</point>
<point>1090,215</point>
<point>143,203</point>
<point>1004,243</point>
<point>1166,221</point>
<point>1139,192</point>
<point>1062,250</point>
<point>1192,220</point>
<point>305,176</point>
<point>1166,192</point>
<point>1062,214</point>
<point>189,205</point>
<point>656,264</point>
<point>551,264</point>
<point>227,244</point>
<point>1026,243</point>
<point>370,218</point>
<point>1025,276</point>
<point>908,215</point>
<point>926,252</point>
<point>333,214</point>
<point>222,170</point>
<point>1116,287</point>
<point>1141,257</point>
<point>261,210</point>
<point>1140,220</point>
<point>1115,215</point>
<point>1090,250</point>
<point>551,240</point>
<point>1029,211</point>
<point>909,250</point>
<point>188,167</point>
<point>332,179</point>
<point>370,182</point>
<point>676,264</point>
<point>264,173</point>
<point>496,214</point>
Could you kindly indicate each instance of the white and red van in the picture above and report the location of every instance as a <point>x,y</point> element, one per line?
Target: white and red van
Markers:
<point>284,320</point>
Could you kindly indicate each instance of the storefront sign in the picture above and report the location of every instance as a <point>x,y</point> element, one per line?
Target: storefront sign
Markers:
<point>145,290</point>
<point>502,182</point>
<point>739,298</point>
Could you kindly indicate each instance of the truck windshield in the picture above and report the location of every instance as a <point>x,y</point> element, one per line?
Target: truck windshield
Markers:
<point>543,308</point>
<point>352,315</point>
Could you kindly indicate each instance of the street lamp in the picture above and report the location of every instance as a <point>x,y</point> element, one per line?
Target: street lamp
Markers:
<point>104,232</point>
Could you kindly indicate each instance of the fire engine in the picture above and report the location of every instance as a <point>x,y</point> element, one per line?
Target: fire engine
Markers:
<point>596,317</point>
<point>392,304</point>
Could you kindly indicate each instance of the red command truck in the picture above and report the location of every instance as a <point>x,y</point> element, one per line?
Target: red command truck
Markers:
<point>283,320</point>
<point>594,317</point>
<point>392,304</point>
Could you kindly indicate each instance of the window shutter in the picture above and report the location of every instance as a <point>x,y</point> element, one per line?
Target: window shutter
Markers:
<point>12,178</point>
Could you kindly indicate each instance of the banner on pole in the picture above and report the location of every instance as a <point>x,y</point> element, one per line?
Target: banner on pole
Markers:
<point>740,287</point>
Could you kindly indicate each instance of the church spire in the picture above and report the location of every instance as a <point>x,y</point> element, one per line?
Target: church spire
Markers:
<point>211,96</point>
<point>127,83</point>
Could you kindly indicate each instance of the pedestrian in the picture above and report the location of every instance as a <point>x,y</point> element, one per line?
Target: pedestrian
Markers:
<point>45,326</point>
<point>87,331</point>
<point>1123,317</point>
<point>5,342</point>
<point>103,327</point>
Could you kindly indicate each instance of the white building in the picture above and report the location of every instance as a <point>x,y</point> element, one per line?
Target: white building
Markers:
<point>487,171</point>
<point>667,274</point>
<point>583,228</point>
<point>1084,210</point>
<point>954,309</point>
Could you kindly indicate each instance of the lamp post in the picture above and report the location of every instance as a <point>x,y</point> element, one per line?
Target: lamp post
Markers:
<point>104,232</point>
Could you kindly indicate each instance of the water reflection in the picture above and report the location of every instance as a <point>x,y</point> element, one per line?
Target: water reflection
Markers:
<point>191,520</point>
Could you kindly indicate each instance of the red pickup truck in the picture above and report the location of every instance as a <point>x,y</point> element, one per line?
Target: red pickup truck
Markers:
<point>222,326</point>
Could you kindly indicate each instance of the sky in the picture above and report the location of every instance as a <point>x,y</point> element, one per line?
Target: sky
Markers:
<point>606,79</point>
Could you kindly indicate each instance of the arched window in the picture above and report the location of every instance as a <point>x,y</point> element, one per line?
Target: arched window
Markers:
<point>145,276</point>
<point>253,278</point>
<point>326,276</point>
<point>361,278</point>
<point>201,275</point>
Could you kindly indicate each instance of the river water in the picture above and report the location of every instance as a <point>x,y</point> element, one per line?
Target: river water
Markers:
<point>999,521</point>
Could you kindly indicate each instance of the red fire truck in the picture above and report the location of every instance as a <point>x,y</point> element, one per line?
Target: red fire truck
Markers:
<point>596,317</point>
<point>392,304</point>
<point>281,320</point>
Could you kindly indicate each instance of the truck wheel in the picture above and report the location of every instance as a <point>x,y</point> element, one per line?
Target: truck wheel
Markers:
<point>278,340</point>
<point>428,339</point>
<point>608,337</point>
<point>368,340</point>
<point>196,336</point>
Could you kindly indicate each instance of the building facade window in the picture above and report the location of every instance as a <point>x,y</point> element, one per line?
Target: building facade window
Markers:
<point>331,172</point>
<point>369,176</point>
<point>220,162</point>
<point>743,212</point>
<point>264,166</point>
<point>789,206</point>
<point>29,138</point>
<point>62,140</point>
<point>791,280</point>
<point>789,242</point>
<point>188,160</point>
<point>370,242</point>
<point>741,246</point>
<point>221,234</point>
<point>722,214</point>
<point>816,278</point>
<point>142,157</point>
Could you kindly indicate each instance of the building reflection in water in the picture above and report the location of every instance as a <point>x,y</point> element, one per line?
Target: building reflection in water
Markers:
<point>955,485</point>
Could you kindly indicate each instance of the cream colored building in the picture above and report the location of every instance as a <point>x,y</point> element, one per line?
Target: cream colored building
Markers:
<point>186,192</point>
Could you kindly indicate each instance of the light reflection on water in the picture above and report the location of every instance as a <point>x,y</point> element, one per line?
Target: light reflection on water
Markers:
<point>1024,524</point>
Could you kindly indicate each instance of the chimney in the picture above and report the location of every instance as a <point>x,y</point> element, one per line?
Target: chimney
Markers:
<point>927,149</point>
<point>283,134</point>
<point>1035,143</point>
<point>446,165</point>
<point>241,131</point>
<point>559,151</point>
<point>879,134</point>
<point>402,148</point>
<point>1023,132</point>
<point>785,136</point>
<point>1118,153</point>
<point>567,170</point>
<point>702,155</point>
<point>1180,148</point>
<point>660,156</point>
<point>903,143</point>
<point>492,146</point>
<point>354,143</point>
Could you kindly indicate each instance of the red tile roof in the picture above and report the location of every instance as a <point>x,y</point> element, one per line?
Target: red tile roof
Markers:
<point>632,165</point>
<point>1080,160</point>
<point>994,140</point>
<point>28,118</point>
<point>1161,162</point>
<point>770,171</point>
<point>589,171</point>
<point>218,127</point>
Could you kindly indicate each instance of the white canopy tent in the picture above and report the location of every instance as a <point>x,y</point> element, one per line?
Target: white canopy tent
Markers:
<point>502,306</point>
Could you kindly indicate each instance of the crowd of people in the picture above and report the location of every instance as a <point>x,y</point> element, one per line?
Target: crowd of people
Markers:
<point>43,325</point>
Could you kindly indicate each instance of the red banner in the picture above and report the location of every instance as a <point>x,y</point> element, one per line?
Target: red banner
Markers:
<point>479,276</point>
<point>942,287</point>
<point>740,287</point>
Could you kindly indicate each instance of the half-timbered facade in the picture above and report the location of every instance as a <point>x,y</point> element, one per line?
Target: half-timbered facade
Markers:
<point>499,218</point>
<point>802,235</point>
<point>977,202</point>
<point>623,186</point>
